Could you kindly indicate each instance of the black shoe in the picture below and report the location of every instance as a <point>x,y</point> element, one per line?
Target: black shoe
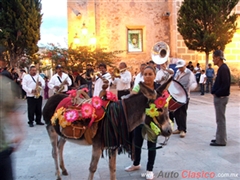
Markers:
<point>213,140</point>
<point>31,125</point>
<point>40,123</point>
<point>216,144</point>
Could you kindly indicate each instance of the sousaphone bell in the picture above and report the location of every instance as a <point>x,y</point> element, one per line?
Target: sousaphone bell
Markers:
<point>160,52</point>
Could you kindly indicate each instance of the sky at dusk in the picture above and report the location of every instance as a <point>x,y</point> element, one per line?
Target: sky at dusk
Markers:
<point>54,22</point>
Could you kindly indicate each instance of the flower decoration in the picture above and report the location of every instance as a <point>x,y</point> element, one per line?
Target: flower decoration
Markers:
<point>152,111</point>
<point>96,102</point>
<point>111,96</point>
<point>155,129</point>
<point>63,123</point>
<point>72,93</point>
<point>92,119</point>
<point>167,101</point>
<point>71,115</point>
<point>160,102</point>
<point>87,110</point>
<point>85,89</point>
<point>57,114</point>
<point>165,94</point>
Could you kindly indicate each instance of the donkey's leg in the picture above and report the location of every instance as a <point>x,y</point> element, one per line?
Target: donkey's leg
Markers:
<point>96,153</point>
<point>54,140</point>
<point>61,143</point>
<point>112,165</point>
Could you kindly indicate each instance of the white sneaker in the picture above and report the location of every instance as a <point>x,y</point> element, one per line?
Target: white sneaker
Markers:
<point>132,168</point>
<point>149,175</point>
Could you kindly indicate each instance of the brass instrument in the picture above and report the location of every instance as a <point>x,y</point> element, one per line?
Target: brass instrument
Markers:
<point>61,86</point>
<point>160,52</point>
<point>116,72</point>
<point>37,89</point>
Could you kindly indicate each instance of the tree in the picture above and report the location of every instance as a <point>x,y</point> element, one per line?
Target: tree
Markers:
<point>206,25</point>
<point>76,59</point>
<point>20,22</point>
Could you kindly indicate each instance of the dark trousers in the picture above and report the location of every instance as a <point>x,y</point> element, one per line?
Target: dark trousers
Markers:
<point>6,172</point>
<point>23,93</point>
<point>138,142</point>
<point>202,88</point>
<point>89,83</point>
<point>209,83</point>
<point>122,93</point>
<point>180,116</point>
<point>34,108</point>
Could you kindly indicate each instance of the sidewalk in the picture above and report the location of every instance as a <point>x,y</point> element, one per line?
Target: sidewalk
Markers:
<point>182,156</point>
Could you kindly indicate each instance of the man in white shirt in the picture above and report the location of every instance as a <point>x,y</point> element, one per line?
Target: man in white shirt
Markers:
<point>60,81</point>
<point>164,73</point>
<point>122,82</point>
<point>139,77</point>
<point>100,78</point>
<point>29,84</point>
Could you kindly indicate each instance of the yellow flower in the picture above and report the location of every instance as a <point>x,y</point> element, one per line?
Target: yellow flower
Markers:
<point>167,101</point>
<point>155,129</point>
<point>152,111</point>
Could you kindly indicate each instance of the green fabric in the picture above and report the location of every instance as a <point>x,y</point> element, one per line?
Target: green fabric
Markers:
<point>136,88</point>
<point>7,104</point>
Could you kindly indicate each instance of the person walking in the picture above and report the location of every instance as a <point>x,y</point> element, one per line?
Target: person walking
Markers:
<point>10,118</point>
<point>123,81</point>
<point>30,84</point>
<point>210,75</point>
<point>185,77</point>
<point>60,81</point>
<point>139,77</point>
<point>220,92</point>
<point>149,75</point>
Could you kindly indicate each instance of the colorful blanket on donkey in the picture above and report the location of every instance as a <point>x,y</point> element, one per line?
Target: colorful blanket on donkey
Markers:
<point>74,121</point>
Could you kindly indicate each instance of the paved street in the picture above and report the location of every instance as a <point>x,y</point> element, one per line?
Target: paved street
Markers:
<point>182,156</point>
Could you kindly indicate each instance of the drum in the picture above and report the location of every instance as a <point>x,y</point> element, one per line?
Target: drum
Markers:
<point>178,95</point>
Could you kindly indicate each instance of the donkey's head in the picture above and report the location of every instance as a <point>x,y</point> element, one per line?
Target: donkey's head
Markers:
<point>156,115</point>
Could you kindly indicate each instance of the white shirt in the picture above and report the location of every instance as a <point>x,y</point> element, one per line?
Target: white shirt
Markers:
<point>138,79</point>
<point>99,82</point>
<point>54,81</point>
<point>124,82</point>
<point>162,76</point>
<point>28,84</point>
<point>202,78</point>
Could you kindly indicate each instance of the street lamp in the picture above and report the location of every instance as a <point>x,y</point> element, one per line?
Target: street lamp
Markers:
<point>84,29</point>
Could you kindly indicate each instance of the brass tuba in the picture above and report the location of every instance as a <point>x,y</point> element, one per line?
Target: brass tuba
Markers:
<point>37,89</point>
<point>160,52</point>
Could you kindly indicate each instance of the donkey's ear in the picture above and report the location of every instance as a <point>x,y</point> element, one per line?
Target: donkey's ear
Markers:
<point>148,93</point>
<point>165,85</point>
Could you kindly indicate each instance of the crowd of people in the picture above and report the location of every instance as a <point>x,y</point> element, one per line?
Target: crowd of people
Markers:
<point>34,87</point>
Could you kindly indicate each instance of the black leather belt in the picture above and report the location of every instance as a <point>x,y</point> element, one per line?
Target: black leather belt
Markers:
<point>124,90</point>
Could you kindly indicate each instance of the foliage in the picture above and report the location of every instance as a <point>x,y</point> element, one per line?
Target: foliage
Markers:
<point>76,59</point>
<point>20,22</point>
<point>206,25</point>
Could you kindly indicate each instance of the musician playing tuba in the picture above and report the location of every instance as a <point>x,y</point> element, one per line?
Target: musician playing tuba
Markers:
<point>60,81</point>
<point>33,84</point>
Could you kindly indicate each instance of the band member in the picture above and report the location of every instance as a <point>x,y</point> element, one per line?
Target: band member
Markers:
<point>185,77</point>
<point>60,81</point>
<point>139,76</point>
<point>103,74</point>
<point>89,76</point>
<point>122,81</point>
<point>164,73</point>
<point>33,84</point>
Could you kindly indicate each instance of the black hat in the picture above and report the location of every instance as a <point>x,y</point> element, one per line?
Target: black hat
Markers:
<point>219,53</point>
<point>58,66</point>
<point>151,61</point>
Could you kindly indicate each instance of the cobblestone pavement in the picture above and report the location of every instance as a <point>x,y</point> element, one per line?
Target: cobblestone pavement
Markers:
<point>181,158</point>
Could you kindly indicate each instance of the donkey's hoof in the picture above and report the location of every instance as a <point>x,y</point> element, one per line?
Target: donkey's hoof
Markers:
<point>59,178</point>
<point>65,173</point>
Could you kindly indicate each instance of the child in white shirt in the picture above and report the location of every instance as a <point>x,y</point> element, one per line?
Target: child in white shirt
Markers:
<point>202,81</point>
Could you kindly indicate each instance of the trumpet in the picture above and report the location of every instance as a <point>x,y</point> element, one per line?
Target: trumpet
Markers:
<point>37,89</point>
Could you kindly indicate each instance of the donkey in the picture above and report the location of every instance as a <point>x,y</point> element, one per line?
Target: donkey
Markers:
<point>134,111</point>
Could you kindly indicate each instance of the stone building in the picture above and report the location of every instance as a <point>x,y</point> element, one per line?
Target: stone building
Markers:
<point>135,26</point>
